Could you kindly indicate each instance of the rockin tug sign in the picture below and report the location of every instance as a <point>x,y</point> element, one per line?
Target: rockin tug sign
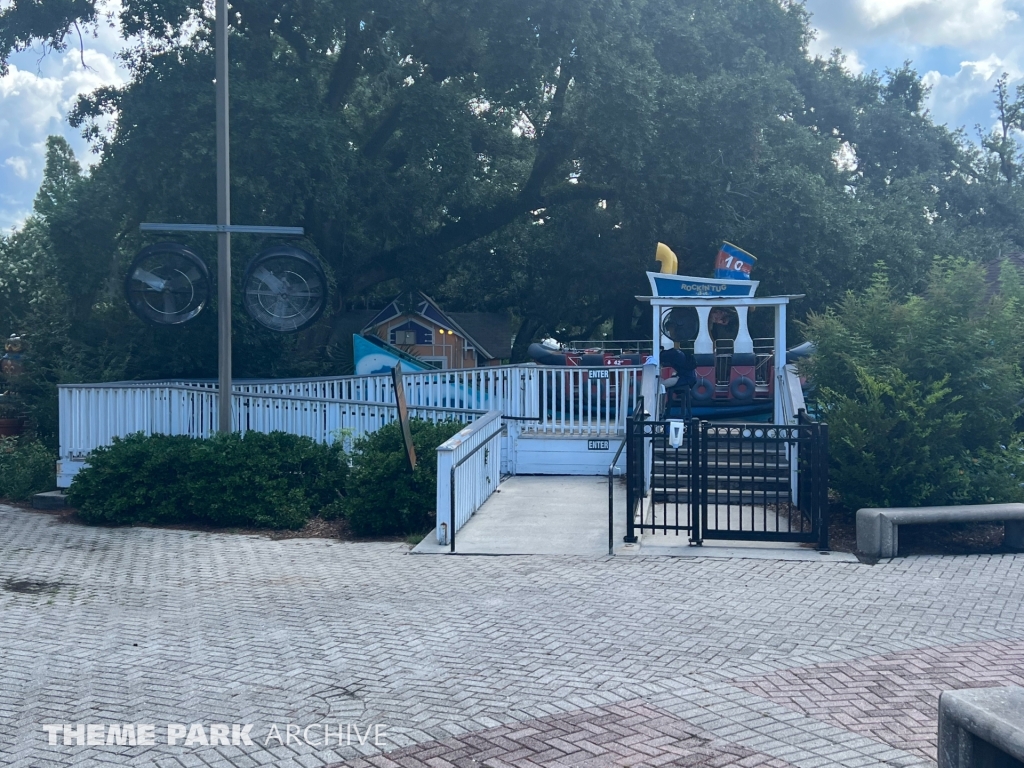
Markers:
<point>731,288</point>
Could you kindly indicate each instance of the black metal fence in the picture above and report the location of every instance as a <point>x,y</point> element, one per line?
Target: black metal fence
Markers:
<point>756,482</point>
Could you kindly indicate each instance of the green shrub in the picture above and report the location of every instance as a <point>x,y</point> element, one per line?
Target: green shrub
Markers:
<point>889,443</point>
<point>259,480</point>
<point>26,467</point>
<point>921,393</point>
<point>998,475</point>
<point>384,497</point>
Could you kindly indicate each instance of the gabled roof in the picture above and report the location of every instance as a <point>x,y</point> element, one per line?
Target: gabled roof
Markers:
<point>390,311</point>
<point>490,333</point>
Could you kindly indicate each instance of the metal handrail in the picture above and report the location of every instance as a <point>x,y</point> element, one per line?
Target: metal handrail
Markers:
<point>463,460</point>
<point>631,500</point>
<point>611,491</point>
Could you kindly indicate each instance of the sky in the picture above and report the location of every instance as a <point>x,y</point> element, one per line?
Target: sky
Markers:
<point>960,46</point>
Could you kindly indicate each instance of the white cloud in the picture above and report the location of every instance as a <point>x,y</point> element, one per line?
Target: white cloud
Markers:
<point>20,166</point>
<point>35,98</point>
<point>954,95</point>
<point>880,11</point>
<point>962,46</point>
<point>28,102</point>
<point>938,22</point>
<point>823,44</point>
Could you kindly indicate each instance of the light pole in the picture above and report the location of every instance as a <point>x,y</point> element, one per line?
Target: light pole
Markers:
<point>223,228</point>
<point>224,221</point>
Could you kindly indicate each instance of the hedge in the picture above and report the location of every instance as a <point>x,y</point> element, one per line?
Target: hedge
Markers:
<point>261,480</point>
<point>386,498</point>
<point>26,467</point>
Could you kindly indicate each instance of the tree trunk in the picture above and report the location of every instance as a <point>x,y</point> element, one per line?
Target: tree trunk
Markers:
<point>526,334</point>
<point>622,320</point>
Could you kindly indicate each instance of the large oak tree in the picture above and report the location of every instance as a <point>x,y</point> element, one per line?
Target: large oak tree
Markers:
<point>509,154</point>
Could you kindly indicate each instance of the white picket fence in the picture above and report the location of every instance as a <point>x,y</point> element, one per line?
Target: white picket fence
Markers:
<point>500,404</point>
<point>547,400</point>
<point>472,458</point>
<point>91,416</point>
<point>542,400</point>
<point>535,402</point>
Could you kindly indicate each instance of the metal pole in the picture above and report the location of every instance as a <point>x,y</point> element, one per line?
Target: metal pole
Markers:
<point>780,363</point>
<point>451,512</point>
<point>611,490</point>
<point>823,509</point>
<point>632,472</point>
<point>611,510</point>
<point>223,219</point>
<point>696,537</point>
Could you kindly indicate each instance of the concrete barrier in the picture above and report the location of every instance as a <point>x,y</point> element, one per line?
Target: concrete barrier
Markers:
<point>878,529</point>
<point>981,728</point>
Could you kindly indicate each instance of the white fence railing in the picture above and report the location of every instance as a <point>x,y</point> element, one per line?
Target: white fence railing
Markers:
<point>550,400</point>
<point>791,400</point>
<point>92,416</point>
<point>581,401</point>
<point>472,388</point>
<point>468,472</point>
<point>538,401</point>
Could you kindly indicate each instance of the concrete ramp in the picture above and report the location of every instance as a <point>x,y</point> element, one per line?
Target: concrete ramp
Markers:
<point>541,515</point>
<point>568,515</point>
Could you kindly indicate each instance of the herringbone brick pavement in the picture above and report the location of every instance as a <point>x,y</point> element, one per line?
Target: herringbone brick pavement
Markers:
<point>630,733</point>
<point>145,625</point>
<point>893,697</point>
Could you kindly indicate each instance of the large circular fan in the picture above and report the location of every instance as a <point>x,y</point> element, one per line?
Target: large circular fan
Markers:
<point>285,289</point>
<point>167,284</point>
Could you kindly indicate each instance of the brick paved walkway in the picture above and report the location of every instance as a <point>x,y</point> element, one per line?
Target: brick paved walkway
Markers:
<point>485,661</point>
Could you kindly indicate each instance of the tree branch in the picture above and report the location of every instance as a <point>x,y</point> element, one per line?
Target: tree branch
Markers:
<point>572,192</point>
<point>261,18</point>
<point>483,222</point>
<point>291,35</point>
<point>346,68</point>
<point>554,147</point>
<point>555,143</point>
<point>558,100</point>
<point>384,130</point>
<point>81,46</point>
<point>469,228</point>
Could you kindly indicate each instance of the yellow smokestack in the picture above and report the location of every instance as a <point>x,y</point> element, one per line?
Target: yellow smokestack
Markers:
<point>669,262</point>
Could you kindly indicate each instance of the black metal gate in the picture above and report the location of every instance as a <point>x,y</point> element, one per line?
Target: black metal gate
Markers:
<point>754,482</point>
